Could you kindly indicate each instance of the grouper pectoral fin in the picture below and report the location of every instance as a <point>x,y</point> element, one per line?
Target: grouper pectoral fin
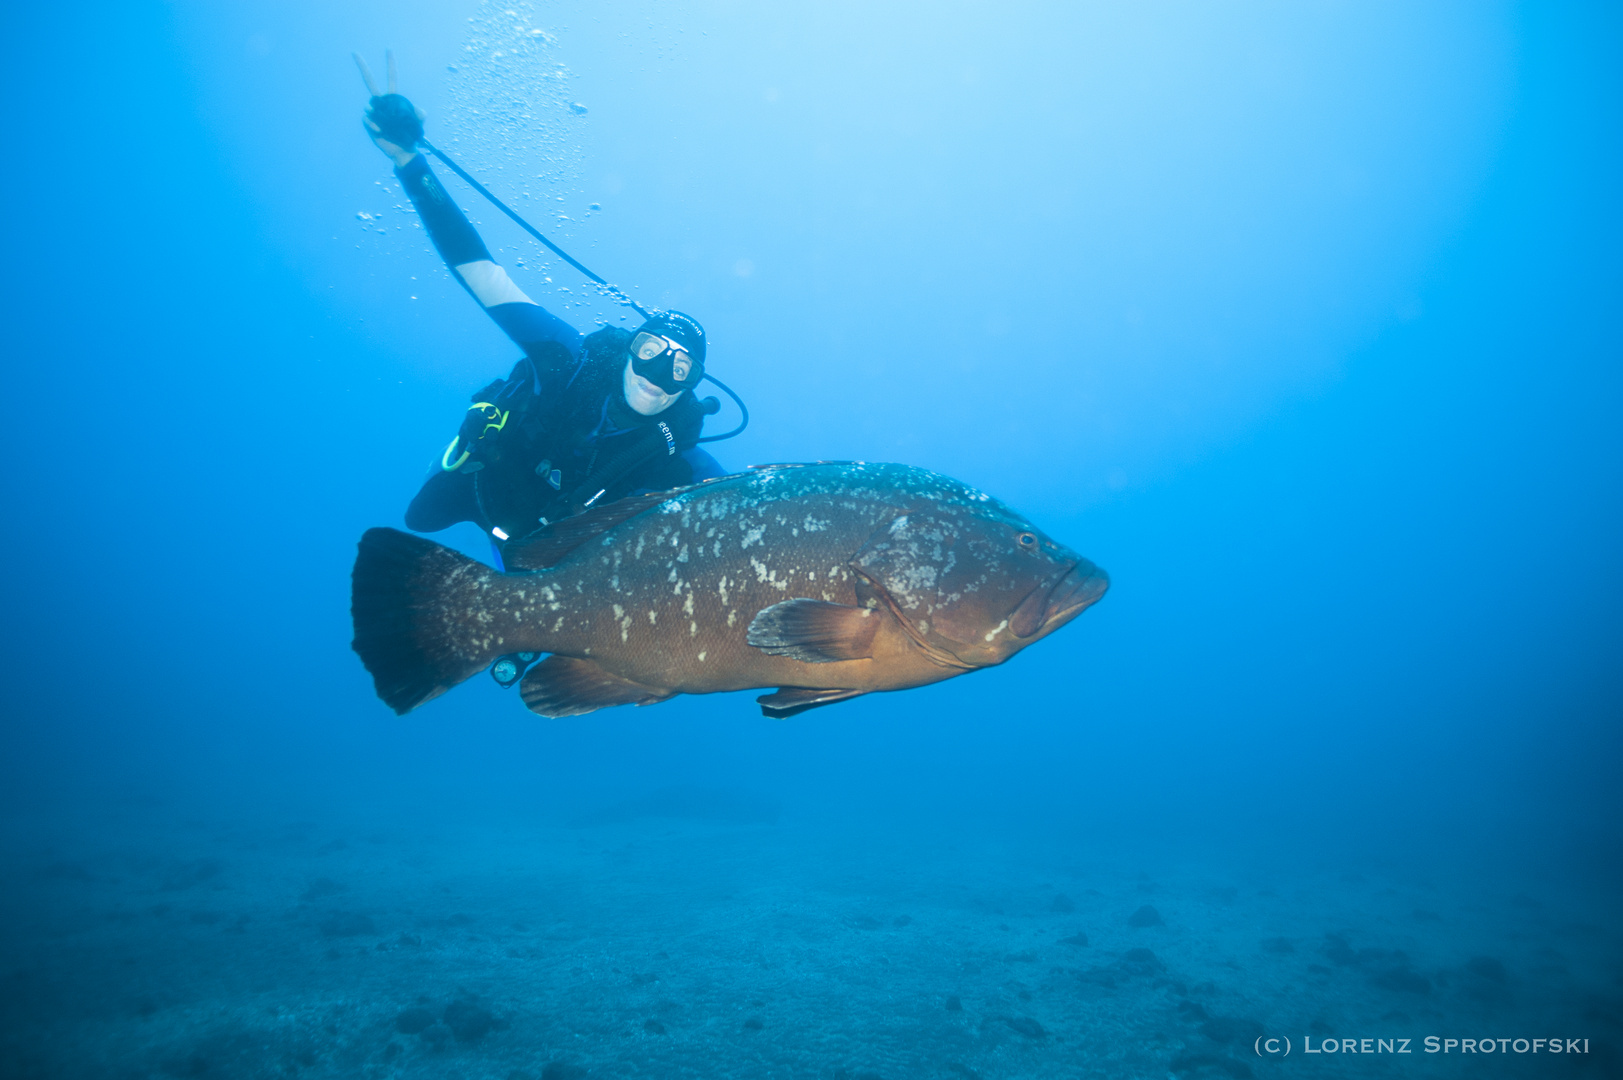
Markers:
<point>790,700</point>
<point>564,686</point>
<point>815,631</point>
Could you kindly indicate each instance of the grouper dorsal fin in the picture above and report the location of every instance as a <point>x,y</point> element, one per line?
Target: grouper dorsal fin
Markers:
<point>566,686</point>
<point>548,546</point>
<point>815,631</point>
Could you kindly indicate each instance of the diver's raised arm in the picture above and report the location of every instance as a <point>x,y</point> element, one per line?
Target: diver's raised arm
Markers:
<point>395,125</point>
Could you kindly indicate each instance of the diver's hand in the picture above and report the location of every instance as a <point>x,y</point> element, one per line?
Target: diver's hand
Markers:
<point>478,439</point>
<point>393,123</point>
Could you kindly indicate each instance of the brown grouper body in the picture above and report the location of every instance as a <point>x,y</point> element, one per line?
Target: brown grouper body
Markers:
<point>826,581</point>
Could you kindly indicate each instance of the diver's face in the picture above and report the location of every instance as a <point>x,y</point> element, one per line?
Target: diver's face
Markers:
<point>646,347</point>
<point>643,396</point>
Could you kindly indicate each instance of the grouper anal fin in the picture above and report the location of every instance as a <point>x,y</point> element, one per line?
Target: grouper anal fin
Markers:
<point>565,686</point>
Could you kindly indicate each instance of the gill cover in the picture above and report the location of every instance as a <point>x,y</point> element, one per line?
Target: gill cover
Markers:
<point>963,582</point>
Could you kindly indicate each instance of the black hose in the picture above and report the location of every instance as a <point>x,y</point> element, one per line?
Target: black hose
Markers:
<point>527,227</point>
<point>745,413</point>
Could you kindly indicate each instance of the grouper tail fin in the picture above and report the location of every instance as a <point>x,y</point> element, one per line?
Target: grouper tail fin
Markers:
<point>409,599</point>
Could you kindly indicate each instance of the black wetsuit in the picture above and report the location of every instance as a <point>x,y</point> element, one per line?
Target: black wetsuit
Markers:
<point>570,438</point>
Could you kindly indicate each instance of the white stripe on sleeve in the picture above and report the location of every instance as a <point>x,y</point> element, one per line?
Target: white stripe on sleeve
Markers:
<point>490,284</point>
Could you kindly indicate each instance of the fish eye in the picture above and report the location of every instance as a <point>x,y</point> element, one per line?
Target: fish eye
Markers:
<point>1027,540</point>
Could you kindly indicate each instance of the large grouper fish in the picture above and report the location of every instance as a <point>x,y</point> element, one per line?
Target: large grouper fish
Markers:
<point>827,581</point>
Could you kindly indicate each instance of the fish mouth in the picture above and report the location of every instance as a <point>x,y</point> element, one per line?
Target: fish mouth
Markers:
<point>1078,590</point>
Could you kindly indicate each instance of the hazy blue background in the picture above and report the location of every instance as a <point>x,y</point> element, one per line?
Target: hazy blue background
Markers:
<point>1301,319</point>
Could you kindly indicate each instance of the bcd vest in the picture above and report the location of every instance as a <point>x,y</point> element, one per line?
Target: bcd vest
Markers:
<point>567,440</point>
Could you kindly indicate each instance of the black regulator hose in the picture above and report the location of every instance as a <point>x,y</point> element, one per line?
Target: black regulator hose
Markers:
<point>527,227</point>
<point>744,412</point>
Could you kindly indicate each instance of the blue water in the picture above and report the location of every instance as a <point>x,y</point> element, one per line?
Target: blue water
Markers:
<point>1301,320</point>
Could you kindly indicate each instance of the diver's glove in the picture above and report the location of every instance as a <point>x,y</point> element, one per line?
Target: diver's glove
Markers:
<point>475,444</point>
<point>395,124</point>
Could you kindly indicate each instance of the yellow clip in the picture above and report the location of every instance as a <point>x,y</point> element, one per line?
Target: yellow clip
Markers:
<point>445,458</point>
<point>499,424</point>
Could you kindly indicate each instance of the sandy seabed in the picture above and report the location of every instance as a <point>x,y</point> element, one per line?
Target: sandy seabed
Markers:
<point>697,936</point>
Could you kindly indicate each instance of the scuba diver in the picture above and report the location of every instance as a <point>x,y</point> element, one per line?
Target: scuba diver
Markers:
<point>581,420</point>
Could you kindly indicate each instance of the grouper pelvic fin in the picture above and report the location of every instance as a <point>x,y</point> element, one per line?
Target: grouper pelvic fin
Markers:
<point>790,700</point>
<point>815,631</point>
<point>547,546</point>
<point>566,686</point>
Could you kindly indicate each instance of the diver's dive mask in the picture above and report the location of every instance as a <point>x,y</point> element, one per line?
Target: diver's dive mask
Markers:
<point>665,362</point>
<point>643,396</point>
